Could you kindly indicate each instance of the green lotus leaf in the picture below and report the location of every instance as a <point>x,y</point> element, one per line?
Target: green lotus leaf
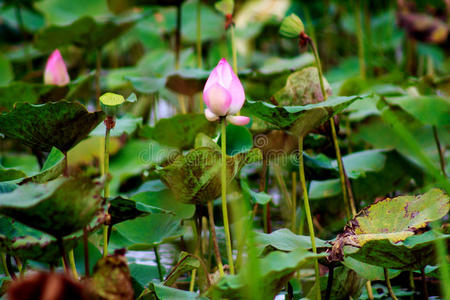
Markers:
<point>385,233</point>
<point>126,124</point>
<point>58,207</point>
<point>27,243</point>
<point>122,209</point>
<point>19,92</point>
<point>298,120</point>
<point>52,168</point>
<point>55,124</point>
<point>85,32</point>
<point>195,177</point>
<point>179,131</point>
<point>275,270</point>
<point>285,240</point>
<point>372,173</point>
<point>134,234</point>
<point>432,110</point>
<point>186,263</point>
<point>162,292</point>
<point>367,271</point>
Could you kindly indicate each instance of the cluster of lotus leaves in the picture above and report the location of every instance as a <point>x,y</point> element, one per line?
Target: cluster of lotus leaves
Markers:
<point>387,233</point>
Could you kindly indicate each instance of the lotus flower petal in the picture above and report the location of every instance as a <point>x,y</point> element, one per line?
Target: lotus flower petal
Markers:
<point>217,99</point>
<point>238,120</point>
<point>56,70</point>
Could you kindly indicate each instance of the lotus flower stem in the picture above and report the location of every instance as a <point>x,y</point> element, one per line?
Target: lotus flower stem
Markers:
<point>294,202</point>
<point>106,188</point>
<point>224,195</point>
<point>73,266</point>
<point>350,205</point>
<point>5,266</point>
<point>441,154</point>
<point>212,229</point>
<point>301,171</point>
<point>388,284</point>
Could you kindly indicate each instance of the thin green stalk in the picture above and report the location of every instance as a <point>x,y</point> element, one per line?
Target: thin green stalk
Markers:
<point>178,37</point>
<point>73,266</point>
<point>23,269</point>
<point>233,49</point>
<point>224,196</point>
<point>360,37</point>
<point>106,188</point>
<point>158,262</point>
<point>369,290</point>
<point>439,148</point>
<point>62,252</point>
<point>294,202</point>
<point>441,251</point>
<point>213,239</point>
<point>301,171</point>
<point>350,205</point>
<point>22,30</point>
<point>388,283</point>
<point>5,267</point>
<point>98,66</point>
<point>199,35</point>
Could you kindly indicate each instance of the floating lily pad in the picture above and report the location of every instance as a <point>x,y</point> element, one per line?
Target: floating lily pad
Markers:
<point>275,271</point>
<point>367,271</point>
<point>85,32</point>
<point>28,243</point>
<point>59,207</point>
<point>55,124</point>
<point>383,234</point>
<point>179,131</point>
<point>261,198</point>
<point>195,177</point>
<point>277,65</point>
<point>299,120</point>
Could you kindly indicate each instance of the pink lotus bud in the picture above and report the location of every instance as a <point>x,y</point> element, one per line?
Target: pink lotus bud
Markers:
<point>224,95</point>
<point>56,70</point>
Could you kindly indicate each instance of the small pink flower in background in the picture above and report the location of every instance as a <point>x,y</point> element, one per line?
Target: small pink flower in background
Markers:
<point>56,70</point>
<point>224,95</point>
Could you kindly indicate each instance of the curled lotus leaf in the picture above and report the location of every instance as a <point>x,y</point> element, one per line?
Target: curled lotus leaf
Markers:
<point>60,124</point>
<point>59,207</point>
<point>302,87</point>
<point>27,243</point>
<point>301,119</point>
<point>195,177</point>
<point>386,232</point>
<point>275,271</point>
